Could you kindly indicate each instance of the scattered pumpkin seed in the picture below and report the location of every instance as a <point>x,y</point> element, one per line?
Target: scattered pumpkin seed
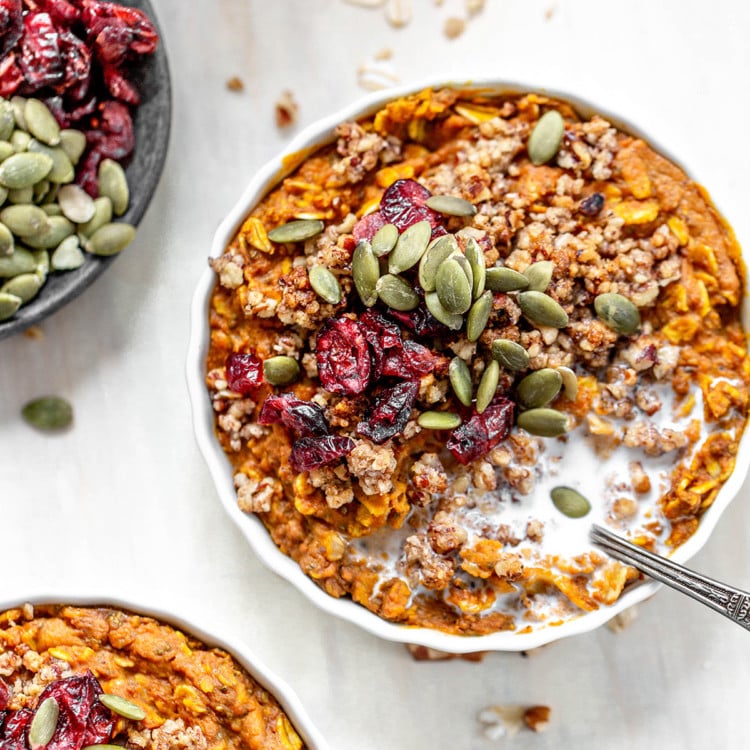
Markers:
<point>280,370</point>
<point>24,169</point>
<point>73,143</point>
<point>25,220</point>
<point>102,215</point>
<point>510,355</point>
<point>569,382</point>
<point>58,228</point>
<point>541,309</point>
<point>438,420</point>
<point>479,314</point>
<point>40,122</point>
<point>76,204</point>
<point>325,284</point>
<point>539,275</point>
<point>365,272</point>
<point>410,247</point>
<point>450,205</point>
<point>18,103</point>
<point>570,502</point>
<point>452,287</point>
<point>7,242</point>
<point>453,321</point>
<point>487,385</point>
<point>7,119</point>
<point>544,141</point>
<point>6,150</point>
<point>396,293</point>
<point>503,279</point>
<point>48,413</point>
<point>460,380</point>
<point>114,184</point>
<point>539,388</point>
<point>9,304</point>
<point>19,261</point>
<point>385,240</point>
<point>475,256</point>
<point>297,230</point>
<point>44,723</point>
<point>52,209</point>
<point>21,195</point>
<point>20,140</point>
<point>62,168</point>
<point>618,312</point>
<point>68,255</point>
<point>24,286</point>
<point>543,422</point>
<point>437,252</point>
<point>122,707</point>
<point>110,239</point>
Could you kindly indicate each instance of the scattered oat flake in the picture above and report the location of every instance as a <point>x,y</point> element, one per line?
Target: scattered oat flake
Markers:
<point>474,6</point>
<point>623,619</point>
<point>454,27</point>
<point>384,54</point>
<point>286,110</point>
<point>507,721</point>
<point>375,76</point>
<point>424,653</point>
<point>398,13</point>
<point>235,84</point>
<point>550,12</point>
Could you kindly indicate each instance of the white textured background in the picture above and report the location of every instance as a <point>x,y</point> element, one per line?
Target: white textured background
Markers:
<point>123,502</point>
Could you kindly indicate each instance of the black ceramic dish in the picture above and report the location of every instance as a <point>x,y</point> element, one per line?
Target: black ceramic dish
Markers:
<point>151,122</point>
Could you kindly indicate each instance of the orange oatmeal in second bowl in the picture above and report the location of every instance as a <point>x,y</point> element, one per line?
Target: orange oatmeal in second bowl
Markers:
<point>450,339</point>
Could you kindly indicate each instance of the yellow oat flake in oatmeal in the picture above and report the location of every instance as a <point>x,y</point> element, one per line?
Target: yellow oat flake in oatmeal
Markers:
<point>444,344</point>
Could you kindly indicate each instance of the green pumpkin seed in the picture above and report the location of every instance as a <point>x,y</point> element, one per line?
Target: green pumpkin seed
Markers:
<point>52,209</point>
<point>6,241</point>
<point>385,240</point>
<point>18,104</point>
<point>50,196</point>
<point>25,220</point>
<point>41,260</point>
<point>9,304</point>
<point>569,382</point>
<point>618,312</point>
<point>20,140</point>
<point>510,355</point>
<point>58,229</point>
<point>487,386</point>
<point>546,137</point>
<point>465,267</point>
<point>541,309</point>
<point>73,143</point>
<point>114,184</point>
<point>452,287</point>
<point>44,723</point>
<point>21,195</point>
<point>23,170</point>
<point>502,279</point>
<point>325,284</point>
<point>39,191</point>
<point>460,380</point>
<point>396,293</point>
<point>543,422</point>
<point>76,204</point>
<point>365,272</point>
<point>280,370</point>
<point>41,123</point>
<point>453,321</point>
<point>294,231</point>
<point>68,255</point>
<point>110,239</point>
<point>479,314</point>
<point>437,252</point>
<point>122,707</point>
<point>25,286</point>
<point>19,261</point>
<point>438,420</point>
<point>539,275</point>
<point>450,205</point>
<point>539,388</point>
<point>410,247</point>
<point>3,194</point>
<point>6,150</point>
<point>62,168</point>
<point>7,119</point>
<point>570,502</point>
<point>475,256</point>
<point>48,413</point>
<point>102,215</point>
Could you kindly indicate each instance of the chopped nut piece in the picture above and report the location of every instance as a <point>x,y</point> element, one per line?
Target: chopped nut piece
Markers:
<point>286,110</point>
<point>235,84</point>
<point>537,718</point>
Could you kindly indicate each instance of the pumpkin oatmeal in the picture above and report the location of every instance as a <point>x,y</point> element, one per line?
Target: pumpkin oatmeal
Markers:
<point>72,677</point>
<point>452,338</point>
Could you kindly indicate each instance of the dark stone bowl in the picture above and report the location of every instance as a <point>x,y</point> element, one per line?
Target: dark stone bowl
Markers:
<point>151,123</point>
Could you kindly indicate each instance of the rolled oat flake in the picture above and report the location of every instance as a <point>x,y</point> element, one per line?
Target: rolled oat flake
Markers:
<point>48,413</point>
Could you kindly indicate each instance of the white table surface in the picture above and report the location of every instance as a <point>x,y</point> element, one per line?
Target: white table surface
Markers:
<point>123,502</point>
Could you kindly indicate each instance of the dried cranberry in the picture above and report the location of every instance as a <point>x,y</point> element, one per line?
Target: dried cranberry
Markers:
<point>40,61</point>
<point>11,24</point>
<point>116,32</point>
<point>11,76</point>
<point>304,417</point>
<point>63,13</point>
<point>119,86</point>
<point>244,372</point>
<point>403,204</point>
<point>87,175</point>
<point>77,67</point>
<point>419,321</point>
<point>390,412</point>
<point>482,432</point>
<point>367,226</point>
<point>344,363</point>
<point>113,135</point>
<point>592,204</point>
<point>410,362</point>
<point>15,728</point>
<point>311,452</point>
<point>382,335</point>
